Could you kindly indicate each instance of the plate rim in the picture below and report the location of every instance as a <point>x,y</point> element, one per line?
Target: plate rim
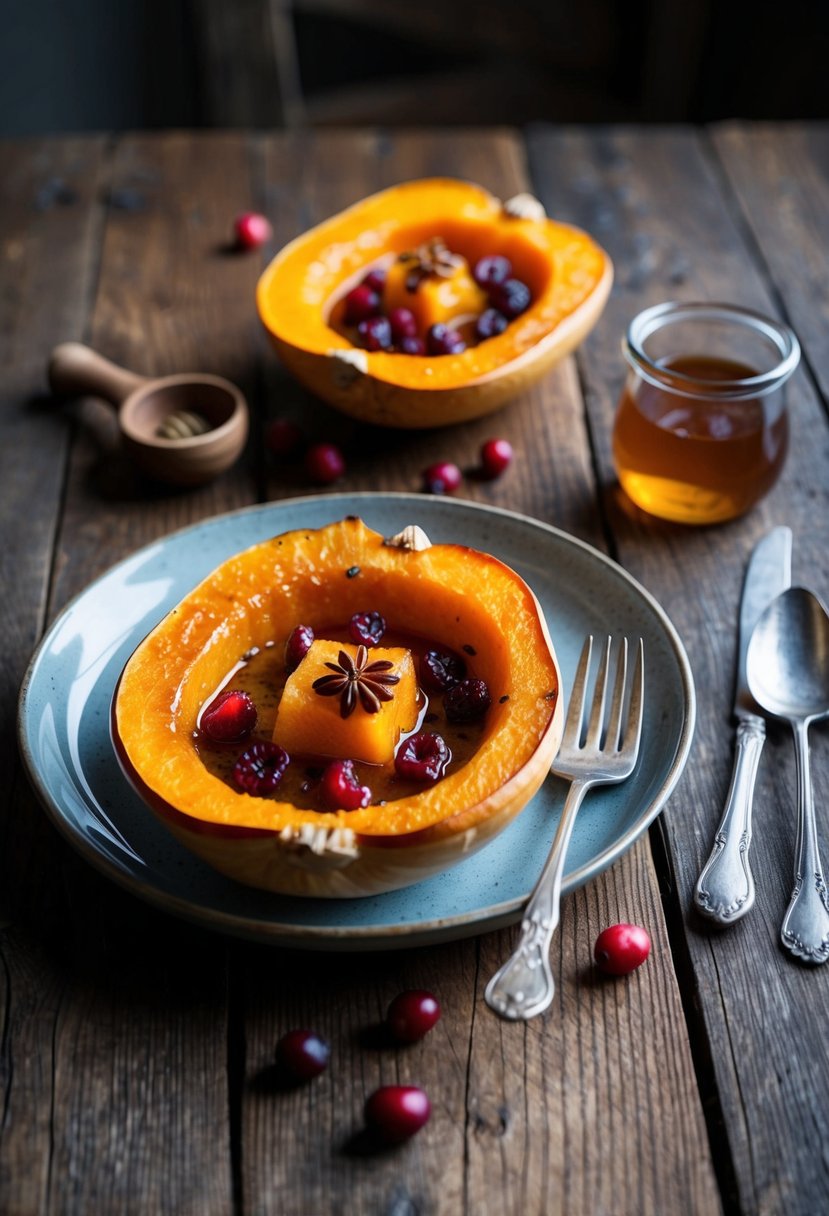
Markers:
<point>364,936</point>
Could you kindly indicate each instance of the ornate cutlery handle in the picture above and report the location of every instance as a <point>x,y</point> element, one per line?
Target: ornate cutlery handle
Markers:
<point>725,889</point>
<point>524,986</point>
<point>805,929</point>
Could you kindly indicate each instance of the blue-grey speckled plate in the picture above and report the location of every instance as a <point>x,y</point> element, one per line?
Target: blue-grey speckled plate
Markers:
<point>65,742</point>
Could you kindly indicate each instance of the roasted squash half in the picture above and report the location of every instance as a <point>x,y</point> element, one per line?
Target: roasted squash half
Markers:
<point>568,274</point>
<point>464,598</point>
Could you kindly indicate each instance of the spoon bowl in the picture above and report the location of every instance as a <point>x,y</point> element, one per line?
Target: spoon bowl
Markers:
<point>145,405</point>
<point>787,666</point>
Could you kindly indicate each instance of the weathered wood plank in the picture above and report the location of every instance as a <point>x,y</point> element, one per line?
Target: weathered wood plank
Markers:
<point>656,202</point>
<point>51,221</point>
<point>507,1099</point>
<point>780,174</point>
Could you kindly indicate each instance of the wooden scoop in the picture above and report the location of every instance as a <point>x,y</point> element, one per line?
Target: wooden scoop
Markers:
<point>149,410</point>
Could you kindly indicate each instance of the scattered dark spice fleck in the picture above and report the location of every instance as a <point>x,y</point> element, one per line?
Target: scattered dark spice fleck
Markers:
<point>551,695</point>
<point>469,649</point>
<point>352,572</point>
<point>502,700</point>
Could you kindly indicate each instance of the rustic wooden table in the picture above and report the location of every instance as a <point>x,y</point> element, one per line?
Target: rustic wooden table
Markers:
<point>133,1044</point>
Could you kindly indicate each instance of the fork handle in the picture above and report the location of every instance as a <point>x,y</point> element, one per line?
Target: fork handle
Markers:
<point>524,986</point>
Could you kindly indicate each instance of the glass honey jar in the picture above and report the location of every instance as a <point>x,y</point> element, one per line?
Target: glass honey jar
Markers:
<point>701,430</point>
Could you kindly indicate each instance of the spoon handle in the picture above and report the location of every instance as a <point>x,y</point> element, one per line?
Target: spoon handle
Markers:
<point>725,889</point>
<point>805,929</point>
<point>75,370</point>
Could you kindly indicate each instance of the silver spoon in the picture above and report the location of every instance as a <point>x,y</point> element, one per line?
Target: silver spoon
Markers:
<point>788,674</point>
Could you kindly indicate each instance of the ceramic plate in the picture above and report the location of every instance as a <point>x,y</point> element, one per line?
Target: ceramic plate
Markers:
<point>65,741</point>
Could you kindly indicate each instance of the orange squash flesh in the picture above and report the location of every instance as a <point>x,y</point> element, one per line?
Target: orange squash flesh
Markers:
<point>568,274</point>
<point>257,597</point>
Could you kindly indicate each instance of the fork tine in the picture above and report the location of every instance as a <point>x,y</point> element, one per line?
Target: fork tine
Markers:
<point>633,733</point>
<point>617,704</point>
<point>594,728</point>
<point>575,710</point>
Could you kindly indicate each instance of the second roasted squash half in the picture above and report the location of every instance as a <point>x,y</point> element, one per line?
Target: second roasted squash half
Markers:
<point>467,600</point>
<point>567,273</point>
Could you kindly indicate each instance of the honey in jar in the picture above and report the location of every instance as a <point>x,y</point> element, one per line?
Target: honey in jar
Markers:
<point>701,433</point>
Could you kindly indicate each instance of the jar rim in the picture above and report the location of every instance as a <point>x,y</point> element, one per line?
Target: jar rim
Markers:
<point>656,317</point>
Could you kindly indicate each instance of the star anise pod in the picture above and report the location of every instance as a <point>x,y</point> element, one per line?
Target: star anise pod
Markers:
<point>431,259</point>
<point>357,680</point>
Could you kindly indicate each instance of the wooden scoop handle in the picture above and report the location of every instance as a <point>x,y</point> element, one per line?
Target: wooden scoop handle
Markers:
<point>75,370</point>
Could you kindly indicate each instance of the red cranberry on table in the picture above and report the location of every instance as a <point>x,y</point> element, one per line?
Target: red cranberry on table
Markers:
<point>490,324</point>
<point>441,670</point>
<point>491,270</point>
<point>341,789</point>
<point>396,1112</point>
<point>620,949</point>
<point>376,280</point>
<point>229,717</point>
<point>297,646</point>
<point>302,1054</point>
<point>510,298</point>
<point>251,230</point>
<point>467,701</point>
<point>324,463</point>
<point>367,628</point>
<point>422,757</point>
<point>360,303</point>
<point>260,769</point>
<point>375,333</point>
<point>496,456</point>
<point>442,478</point>
<point>440,340</point>
<point>283,436</point>
<point>412,1015</point>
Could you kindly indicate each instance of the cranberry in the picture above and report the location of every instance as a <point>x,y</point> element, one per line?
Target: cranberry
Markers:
<point>496,455</point>
<point>251,230</point>
<point>260,769</point>
<point>491,270</point>
<point>412,1015</point>
<point>412,346</point>
<point>490,323</point>
<point>341,788</point>
<point>324,463</point>
<point>283,437</point>
<point>303,1054</point>
<point>441,670</point>
<point>360,304</point>
<point>442,478</point>
<point>511,298</point>
<point>440,340</point>
<point>297,646</point>
<point>396,1112</point>
<point>376,280</point>
<point>422,757</point>
<point>403,323</point>
<point>620,949</point>
<point>467,701</point>
<point>366,628</point>
<point>228,718</point>
<point>375,333</point>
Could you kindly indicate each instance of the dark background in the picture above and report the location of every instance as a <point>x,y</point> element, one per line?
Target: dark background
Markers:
<point>75,65</point>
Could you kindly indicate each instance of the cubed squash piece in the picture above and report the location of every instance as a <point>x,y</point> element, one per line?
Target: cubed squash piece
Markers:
<point>310,724</point>
<point>436,300</point>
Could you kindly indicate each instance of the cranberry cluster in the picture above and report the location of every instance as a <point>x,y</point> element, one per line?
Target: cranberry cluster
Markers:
<point>397,330</point>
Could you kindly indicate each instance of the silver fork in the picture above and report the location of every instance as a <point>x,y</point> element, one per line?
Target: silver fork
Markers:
<point>524,986</point>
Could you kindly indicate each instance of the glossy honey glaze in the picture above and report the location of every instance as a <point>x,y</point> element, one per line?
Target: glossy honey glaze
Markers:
<point>262,675</point>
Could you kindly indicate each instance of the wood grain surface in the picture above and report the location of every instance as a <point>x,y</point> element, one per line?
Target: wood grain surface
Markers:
<point>137,1052</point>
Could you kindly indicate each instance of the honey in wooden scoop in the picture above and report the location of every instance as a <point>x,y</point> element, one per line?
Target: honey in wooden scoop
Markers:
<point>183,429</point>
